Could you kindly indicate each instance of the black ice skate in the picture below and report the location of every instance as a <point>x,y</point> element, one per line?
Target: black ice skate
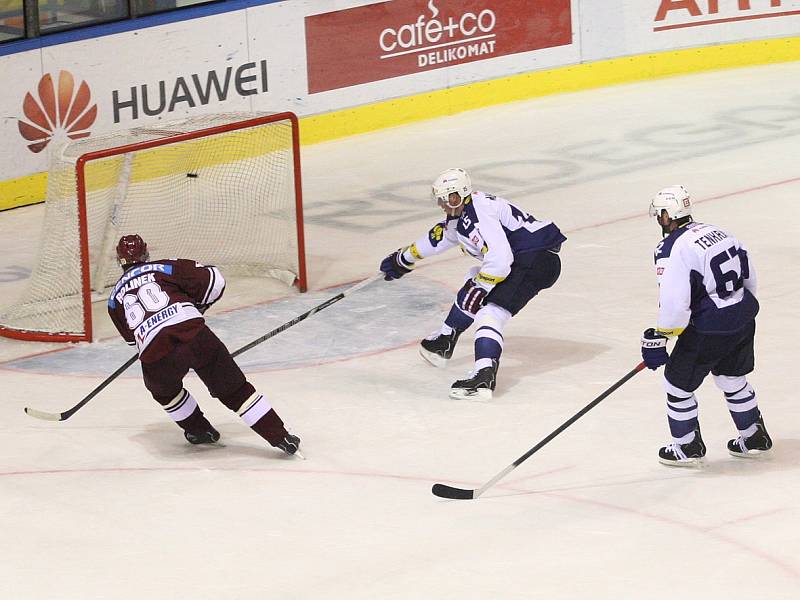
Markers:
<point>289,444</point>
<point>206,435</point>
<point>683,455</point>
<point>438,348</point>
<point>755,445</point>
<point>479,386</point>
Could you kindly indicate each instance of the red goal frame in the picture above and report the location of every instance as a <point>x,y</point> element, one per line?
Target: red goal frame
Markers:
<point>83,234</point>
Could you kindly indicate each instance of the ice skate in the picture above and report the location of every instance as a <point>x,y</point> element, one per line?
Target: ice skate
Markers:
<point>290,444</point>
<point>478,386</point>
<point>683,455</point>
<point>756,445</point>
<point>438,348</point>
<point>205,435</point>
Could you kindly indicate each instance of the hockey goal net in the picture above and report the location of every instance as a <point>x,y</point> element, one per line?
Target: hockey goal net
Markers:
<point>220,189</point>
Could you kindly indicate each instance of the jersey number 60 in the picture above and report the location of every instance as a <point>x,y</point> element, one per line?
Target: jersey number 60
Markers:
<point>149,298</point>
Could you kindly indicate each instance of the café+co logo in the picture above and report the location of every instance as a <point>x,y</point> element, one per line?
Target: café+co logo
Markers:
<point>59,112</point>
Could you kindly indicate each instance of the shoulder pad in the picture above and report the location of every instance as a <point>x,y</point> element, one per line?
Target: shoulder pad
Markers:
<point>664,248</point>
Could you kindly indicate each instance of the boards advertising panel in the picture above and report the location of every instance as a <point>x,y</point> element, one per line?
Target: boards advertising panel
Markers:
<point>404,37</point>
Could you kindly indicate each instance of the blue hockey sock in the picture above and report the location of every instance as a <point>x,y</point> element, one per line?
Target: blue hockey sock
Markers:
<point>457,319</point>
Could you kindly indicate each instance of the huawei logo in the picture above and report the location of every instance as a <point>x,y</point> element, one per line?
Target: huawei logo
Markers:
<point>57,113</point>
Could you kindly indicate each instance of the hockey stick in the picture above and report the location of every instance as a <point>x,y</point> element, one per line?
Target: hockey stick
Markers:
<point>68,413</point>
<point>63,416</point>
<point>454,493</point>
<point>307,314</point>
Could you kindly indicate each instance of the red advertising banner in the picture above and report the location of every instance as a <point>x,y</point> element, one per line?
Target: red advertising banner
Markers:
<point>401,37</point>
<point>690,13</point>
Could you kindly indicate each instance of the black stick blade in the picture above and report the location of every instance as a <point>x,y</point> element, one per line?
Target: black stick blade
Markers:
<point>452,493</point>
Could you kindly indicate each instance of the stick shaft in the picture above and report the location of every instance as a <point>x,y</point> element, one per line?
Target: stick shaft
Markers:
<point>68,413</point>
<point>579,414</point>
<point>445,491</point>
<point>305,315</point>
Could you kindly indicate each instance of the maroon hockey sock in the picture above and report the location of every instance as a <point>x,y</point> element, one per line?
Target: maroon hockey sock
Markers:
<point>262,419</point>
<point>195,422</point>
<point>184,410</point>
<point>270,427</point>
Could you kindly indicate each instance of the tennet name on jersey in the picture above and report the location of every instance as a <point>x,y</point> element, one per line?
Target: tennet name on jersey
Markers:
<point>709,239</point>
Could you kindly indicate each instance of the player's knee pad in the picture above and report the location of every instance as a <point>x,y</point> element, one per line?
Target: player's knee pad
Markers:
<point>730,385</point>
<point>676,392</point>
<point>238,397</point>
<point>492,315</point>
<point>740,395</point>
<point>681,408</point>
<point>181,406</point>
<point>490,320</point>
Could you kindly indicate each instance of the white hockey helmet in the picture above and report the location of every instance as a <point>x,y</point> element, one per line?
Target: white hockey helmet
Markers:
<point>451,180</point>
<point>673,199</point>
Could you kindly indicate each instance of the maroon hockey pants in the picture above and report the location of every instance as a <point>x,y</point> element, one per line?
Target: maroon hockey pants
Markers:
<point>210,359</point>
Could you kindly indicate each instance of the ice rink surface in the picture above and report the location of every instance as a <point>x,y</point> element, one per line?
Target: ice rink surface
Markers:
<point>114,504</point>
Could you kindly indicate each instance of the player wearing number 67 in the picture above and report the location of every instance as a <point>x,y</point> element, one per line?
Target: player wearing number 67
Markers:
<point>518,257</point>
<point>158,307</point>
<point>707,298</point>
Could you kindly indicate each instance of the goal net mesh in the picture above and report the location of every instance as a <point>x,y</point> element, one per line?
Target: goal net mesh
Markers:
<point>226,199</point>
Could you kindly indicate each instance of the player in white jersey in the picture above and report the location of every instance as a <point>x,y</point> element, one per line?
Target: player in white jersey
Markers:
<point>518,256</point>
<point>707,298</point>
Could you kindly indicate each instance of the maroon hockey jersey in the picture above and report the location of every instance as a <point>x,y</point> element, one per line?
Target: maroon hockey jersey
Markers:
<point>154,305</point>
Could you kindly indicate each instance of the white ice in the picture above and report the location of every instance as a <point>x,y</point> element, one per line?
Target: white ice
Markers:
<point>113,504</point>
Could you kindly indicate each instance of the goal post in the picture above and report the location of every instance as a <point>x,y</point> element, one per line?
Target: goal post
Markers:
<point>222,189</point>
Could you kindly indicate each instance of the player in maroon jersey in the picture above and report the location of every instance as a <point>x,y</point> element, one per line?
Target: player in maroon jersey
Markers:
<point>158,307</point>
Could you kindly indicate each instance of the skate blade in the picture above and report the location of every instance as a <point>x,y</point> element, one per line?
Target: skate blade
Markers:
<point>692,463</point>
<point>480,395</point>
<point>751,454</point>
<point>431,357</point>
<point>206,446</point>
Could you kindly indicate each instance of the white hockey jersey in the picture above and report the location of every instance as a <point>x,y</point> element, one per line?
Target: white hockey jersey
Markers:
<point>705,278</point>
<point>492,230</point>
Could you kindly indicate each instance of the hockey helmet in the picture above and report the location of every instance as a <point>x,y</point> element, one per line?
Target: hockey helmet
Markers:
<point>673,199</point>
<point>132,250</point>
<point>451,180</point>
